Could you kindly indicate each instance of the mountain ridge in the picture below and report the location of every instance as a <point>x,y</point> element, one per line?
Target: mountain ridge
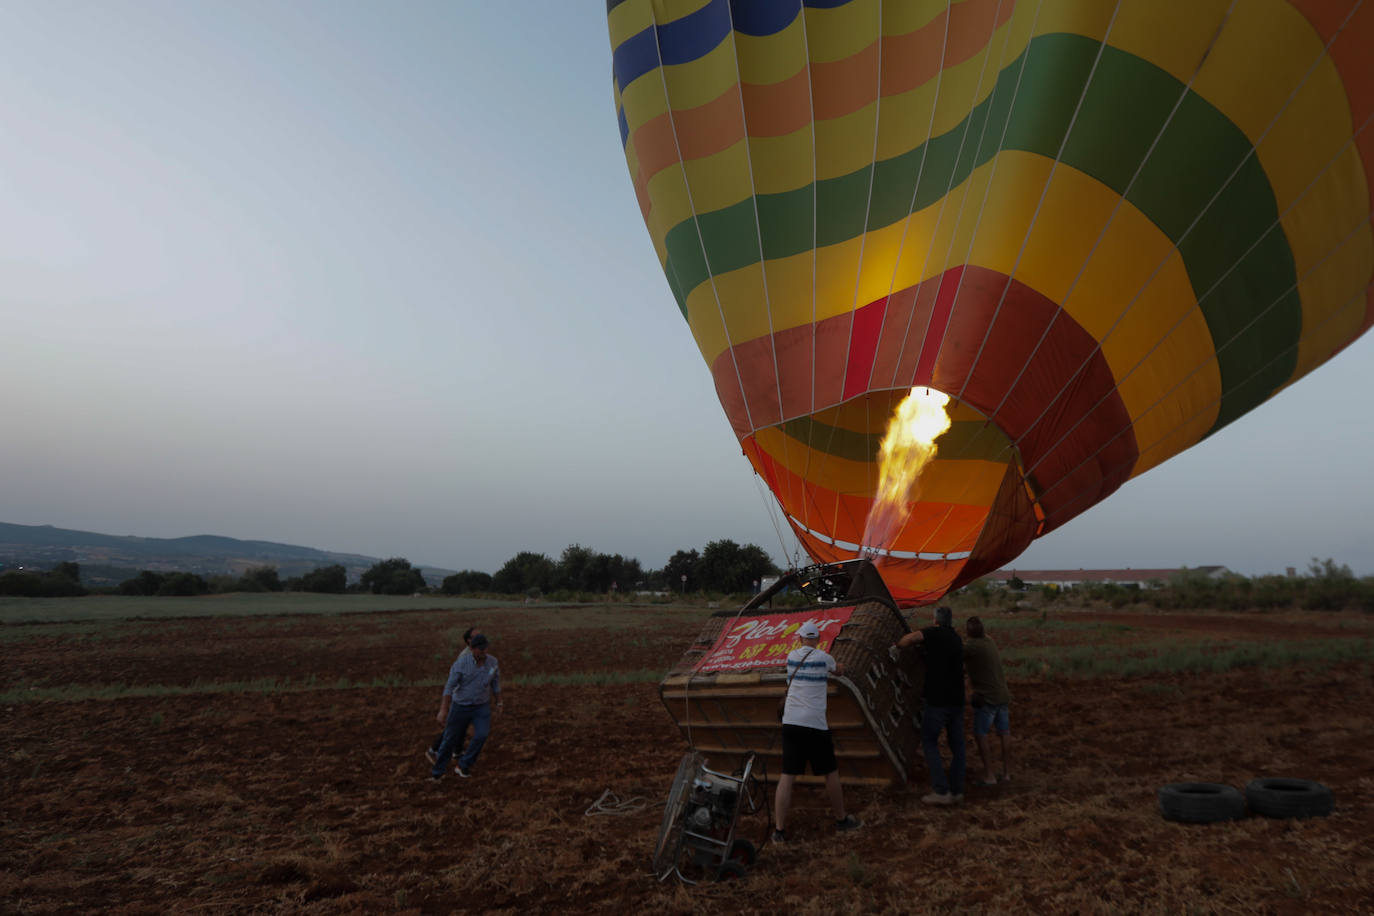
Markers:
<point>206,554</point>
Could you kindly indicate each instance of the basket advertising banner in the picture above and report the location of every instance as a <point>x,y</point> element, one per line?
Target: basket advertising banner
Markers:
<point>758,642</point>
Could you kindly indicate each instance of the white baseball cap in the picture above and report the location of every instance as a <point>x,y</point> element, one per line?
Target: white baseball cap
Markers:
<point>808,630</point>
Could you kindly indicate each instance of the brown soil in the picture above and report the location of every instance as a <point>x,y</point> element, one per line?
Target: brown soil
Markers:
<point>317,800</point>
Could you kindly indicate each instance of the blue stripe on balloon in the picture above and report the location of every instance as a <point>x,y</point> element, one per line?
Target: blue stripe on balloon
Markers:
<point>694,36</point>
<point>763,17</point>
<point>768,17</point>
<point>636,56</point>
<point>697,34</point>
<point>678,42</point>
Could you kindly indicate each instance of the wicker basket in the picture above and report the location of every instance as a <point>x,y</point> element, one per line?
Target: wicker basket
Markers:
<point>872,709</point>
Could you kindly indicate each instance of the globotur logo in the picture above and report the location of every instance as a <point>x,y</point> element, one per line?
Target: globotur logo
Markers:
<point>760,629</point>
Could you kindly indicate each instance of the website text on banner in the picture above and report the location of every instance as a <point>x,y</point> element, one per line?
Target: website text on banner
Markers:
<point>757,642</point>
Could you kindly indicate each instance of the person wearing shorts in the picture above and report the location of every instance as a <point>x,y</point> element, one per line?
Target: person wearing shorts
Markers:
<point>806,739</point>
<point>991,699</point>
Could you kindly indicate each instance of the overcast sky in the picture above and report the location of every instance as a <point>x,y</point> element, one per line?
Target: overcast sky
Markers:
<point>371,278</point>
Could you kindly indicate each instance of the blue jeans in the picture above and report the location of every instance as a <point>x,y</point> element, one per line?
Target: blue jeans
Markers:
<point>459,717</point>
<point>985,718</point>
<point>949,719</point>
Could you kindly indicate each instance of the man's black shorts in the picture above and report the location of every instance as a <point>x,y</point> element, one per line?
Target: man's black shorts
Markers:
<point>802,745</point>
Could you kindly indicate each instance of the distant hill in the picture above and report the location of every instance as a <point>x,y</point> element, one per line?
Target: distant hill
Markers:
<point>108,558</point>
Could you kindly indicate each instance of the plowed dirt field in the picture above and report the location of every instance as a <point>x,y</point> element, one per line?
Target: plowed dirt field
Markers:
<point>276,765</point>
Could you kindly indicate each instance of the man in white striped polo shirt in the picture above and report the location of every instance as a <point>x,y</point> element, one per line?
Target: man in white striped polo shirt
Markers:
<point>805,733</point>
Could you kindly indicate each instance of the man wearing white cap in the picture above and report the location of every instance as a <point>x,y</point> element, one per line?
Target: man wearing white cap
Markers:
<point>805,733</point>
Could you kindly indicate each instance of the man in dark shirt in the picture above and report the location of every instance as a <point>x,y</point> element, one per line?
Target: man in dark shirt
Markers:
<point>943,702</point>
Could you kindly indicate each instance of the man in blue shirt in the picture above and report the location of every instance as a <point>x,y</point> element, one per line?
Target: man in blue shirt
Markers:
<point>432,752</point>
<point>472,682</point>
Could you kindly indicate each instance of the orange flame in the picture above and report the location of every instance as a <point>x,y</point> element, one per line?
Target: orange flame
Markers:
<point>907,447</point>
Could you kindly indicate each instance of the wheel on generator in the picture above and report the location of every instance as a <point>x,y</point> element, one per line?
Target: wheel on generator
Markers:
<point>731,870</point>
<point>743,852</point>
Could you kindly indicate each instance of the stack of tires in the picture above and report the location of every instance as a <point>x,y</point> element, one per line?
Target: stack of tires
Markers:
<point>1210,802</point>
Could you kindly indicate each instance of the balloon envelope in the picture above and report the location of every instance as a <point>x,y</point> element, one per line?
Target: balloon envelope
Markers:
<point>1105,230</point>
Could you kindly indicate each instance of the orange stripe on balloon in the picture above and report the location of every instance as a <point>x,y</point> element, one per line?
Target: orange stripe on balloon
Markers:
<point>777,109</point>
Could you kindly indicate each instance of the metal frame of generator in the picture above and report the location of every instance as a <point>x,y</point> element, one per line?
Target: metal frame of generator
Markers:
<point>873,709</point>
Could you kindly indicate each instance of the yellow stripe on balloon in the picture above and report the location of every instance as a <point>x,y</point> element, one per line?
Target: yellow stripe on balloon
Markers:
<point>903,16</point>
<point>666,11</point>
<point>699,81</point>
<point>1329,323</point>
<point>1070,16</point>
<point>1171,35</point>
<point>721,180</point>
<point>845,145</point>
<point>783,163</point>
<point>669,200</point>
<point>835,34</point>
<point>628,20</point>
<point>644,99</point>
<point>768,59</point>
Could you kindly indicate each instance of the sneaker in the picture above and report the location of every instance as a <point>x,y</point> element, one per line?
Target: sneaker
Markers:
<point>938,798</point>
<point>779,837</point>
<point>436,778</point>
<point>431,755</point>
<point>463,772</point>
<point>848,822</point>
<point>958,799</point>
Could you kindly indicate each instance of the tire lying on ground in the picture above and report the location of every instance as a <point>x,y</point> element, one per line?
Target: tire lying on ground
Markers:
<point>1201,802</point>
<point>1284,797</point>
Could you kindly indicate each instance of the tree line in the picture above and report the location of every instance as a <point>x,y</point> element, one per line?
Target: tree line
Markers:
<point>1327,586</point>
<point>722,567</point>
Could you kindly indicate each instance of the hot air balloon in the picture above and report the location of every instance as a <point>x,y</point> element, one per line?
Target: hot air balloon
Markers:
<point>1104,230</point>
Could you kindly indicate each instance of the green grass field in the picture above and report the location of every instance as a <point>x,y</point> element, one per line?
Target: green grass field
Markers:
<point>238,604</point>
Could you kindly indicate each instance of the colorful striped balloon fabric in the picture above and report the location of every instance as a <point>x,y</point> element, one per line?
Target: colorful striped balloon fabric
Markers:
<point>1105,230</point>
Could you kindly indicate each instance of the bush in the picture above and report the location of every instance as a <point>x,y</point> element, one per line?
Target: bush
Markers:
<point>62,581</point>
<point>146,582</point>
<point>466,582</point>
<point>393,577</point>
<point>183,584</point>
<point>260,579</point>
<point>329,580</point>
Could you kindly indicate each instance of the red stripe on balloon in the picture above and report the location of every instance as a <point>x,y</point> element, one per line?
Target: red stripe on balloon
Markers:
<point>939,322</point>
<point>863,346</point>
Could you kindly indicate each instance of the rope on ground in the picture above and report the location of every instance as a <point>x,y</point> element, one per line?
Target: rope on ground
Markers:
<point>610,803</point>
